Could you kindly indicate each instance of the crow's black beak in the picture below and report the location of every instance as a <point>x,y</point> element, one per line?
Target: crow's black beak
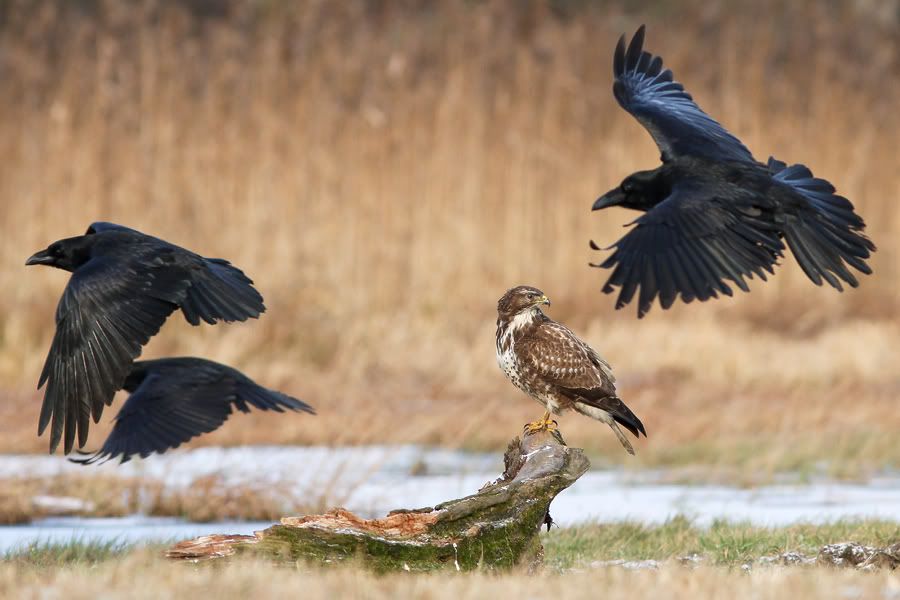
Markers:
<point>610,198</point>
<point>39,258</point>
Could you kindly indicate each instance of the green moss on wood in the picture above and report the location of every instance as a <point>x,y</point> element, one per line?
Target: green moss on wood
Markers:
<point>496,528</point>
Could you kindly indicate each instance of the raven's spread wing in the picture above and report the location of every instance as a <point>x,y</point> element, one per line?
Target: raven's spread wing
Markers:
<point>219,291</point>
<point>677,124</point>
<point>108,311</point>
<point>689,244</point>
<point>178,399</point>
<point>821,228</point>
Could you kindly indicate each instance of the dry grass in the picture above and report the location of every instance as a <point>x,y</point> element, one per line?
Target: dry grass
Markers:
<point>100,496</point>
<point>141,575</point>
<point>80,570</point>
<point>723,543</point>
<point>211,499</point>
<point>204,499</point>
<point>385,171</point>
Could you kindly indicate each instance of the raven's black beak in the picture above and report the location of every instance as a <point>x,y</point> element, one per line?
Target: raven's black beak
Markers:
<point>39,258</point>
<point>610,198</point>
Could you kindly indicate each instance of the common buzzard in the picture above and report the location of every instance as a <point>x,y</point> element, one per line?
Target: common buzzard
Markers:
<point>712,212</point>
<point>124,285</point>
<point>548,362</point>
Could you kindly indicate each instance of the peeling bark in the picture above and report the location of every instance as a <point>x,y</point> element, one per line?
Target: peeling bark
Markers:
<point>495,528</point>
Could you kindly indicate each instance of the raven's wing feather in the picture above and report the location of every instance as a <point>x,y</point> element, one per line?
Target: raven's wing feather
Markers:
<point>821,228</point>
<point>219,292</point>
<point>111,307</point>
<point>179,399</point>
<point>659,103</point>
<point>689,244</point>
<point>108,311</point>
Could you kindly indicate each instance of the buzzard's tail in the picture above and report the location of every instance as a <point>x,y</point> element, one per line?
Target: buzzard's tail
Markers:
<point>612,411</point>
<point>622,439</point>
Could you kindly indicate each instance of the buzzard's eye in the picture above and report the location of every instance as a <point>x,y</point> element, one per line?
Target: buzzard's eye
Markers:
<point>531,296</point>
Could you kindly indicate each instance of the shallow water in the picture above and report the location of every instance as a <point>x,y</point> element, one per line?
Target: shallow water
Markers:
<point>373,480</point>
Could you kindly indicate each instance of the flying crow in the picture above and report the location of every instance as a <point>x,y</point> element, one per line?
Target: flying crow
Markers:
<point>175,399</point>
<point>124,285</point>
<point>711,212</point>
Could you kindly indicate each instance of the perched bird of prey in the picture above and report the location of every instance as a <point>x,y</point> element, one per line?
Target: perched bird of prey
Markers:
<point>711,212</point>
<point>548,362</point>
<point>175,399</point>
<point>124,285</point>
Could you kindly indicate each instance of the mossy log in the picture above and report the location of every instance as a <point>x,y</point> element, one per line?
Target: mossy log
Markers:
<point>496,528</point>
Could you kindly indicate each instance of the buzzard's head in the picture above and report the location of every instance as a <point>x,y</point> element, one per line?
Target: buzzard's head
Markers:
<point>520,299</point>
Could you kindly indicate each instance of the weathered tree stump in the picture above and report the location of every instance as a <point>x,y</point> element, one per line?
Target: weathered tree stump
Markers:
<point>496,528</point>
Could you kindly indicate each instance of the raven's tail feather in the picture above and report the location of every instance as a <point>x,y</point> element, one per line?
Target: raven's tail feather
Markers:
<point>827,237</point>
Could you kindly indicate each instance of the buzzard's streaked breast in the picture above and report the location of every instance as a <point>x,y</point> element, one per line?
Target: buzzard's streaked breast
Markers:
<point>506,354</point>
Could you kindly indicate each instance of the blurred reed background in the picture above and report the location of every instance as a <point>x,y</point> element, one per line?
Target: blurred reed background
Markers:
<point>385,170</point>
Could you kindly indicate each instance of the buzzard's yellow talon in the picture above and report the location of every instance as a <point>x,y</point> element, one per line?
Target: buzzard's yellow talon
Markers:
<point>534,427</point>
<point>545,423</point>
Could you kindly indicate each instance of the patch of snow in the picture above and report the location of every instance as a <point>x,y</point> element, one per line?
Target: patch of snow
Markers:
<point>265,464</point>
<point>691,560</point>
<point>61,504</point>
<point>607,496</point>
<point>628,565</point>
<point>786,559</point>
<point>370,481</point>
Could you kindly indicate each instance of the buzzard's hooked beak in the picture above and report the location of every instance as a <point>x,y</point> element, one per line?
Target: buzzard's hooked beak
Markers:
<point>39,258</point>
<point>610,198</point>
<point>544,300</point>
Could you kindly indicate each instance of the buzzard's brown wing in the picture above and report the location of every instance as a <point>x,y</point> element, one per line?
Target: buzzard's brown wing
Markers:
<point>556,357</point>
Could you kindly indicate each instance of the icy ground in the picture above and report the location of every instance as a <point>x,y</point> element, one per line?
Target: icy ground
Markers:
<point>373,480</point>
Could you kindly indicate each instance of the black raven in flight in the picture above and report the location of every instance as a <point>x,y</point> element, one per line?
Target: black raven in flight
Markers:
<point>124,285</point>
<point>175,399</point>
<point>712,212</point>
